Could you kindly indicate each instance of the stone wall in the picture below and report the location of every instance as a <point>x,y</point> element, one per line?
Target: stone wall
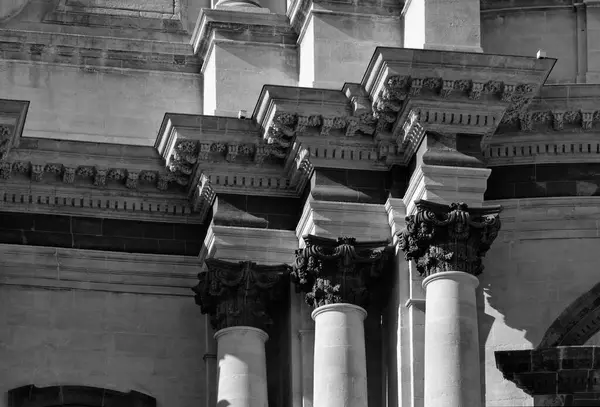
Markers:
<point>96,104</point>
<point>149,343</point>
<point>524,32</point>
<point>544,258</point>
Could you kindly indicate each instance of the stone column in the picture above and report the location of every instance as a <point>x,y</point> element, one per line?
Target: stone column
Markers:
<point>447,242</point>
<point>237,296</point>
<point>340,277</point>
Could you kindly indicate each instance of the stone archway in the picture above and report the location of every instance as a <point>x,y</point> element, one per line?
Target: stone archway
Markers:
<point>561,371</point>
<point>577,323</point>
<point>76,396</point>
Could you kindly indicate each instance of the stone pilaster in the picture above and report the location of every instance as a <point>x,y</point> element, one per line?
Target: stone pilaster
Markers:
<point>339,278</point>
<point>237,296</point>
<point>447,243</point>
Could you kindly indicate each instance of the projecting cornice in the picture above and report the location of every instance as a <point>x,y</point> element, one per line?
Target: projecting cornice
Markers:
<point>299,11</point>
<point>414,91</point>
<point>245,26</point>
<point>560,125</point>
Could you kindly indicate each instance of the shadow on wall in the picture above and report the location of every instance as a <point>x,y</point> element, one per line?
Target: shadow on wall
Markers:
<point>223,403</point>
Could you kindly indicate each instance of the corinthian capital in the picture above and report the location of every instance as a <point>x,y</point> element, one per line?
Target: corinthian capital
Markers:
<point>449,237</point>
<point>333,271</point>
<point>239,293</point>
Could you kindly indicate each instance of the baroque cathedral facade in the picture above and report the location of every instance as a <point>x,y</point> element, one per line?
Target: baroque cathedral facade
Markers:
<point>299,203</point>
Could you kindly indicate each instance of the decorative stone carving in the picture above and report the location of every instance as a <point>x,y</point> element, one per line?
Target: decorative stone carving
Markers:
<point>558,120</point>
<point>163,181</point>
<point>232,152</point>
<point>476,90</point>
<point>100,177</point>
<point>68,175</point>
<point>5,170</point>
<point>449,237</point>
<point>333,271</point>
<point>447,88</point>
<point>203,196</point>
<point>37,172</point>
<point>4,140</point>
<point>117,174</point>
<point>131,181</point>
<point>239,293</point>
<point>85,171</point>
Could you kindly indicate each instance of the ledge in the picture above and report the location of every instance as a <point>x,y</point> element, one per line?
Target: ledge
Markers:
<point>94,270</point>
<point>215,25</point>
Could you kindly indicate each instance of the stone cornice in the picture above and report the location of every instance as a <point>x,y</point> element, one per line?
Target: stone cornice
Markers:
<point>98,52</point>
<point>417,90</point>
<point>239,293</point>
<point>340,270</point>
<point>452,237</point>
<point>244,26</point>
<point>62,268</point>
<point>491,6</point>
<point>559,126</point>
<point>299,11</point>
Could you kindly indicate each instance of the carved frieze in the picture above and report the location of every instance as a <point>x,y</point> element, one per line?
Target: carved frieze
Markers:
<point>239,293</point>
<point>331,271</point>
<point>452,237</point>
<point>5,138</point>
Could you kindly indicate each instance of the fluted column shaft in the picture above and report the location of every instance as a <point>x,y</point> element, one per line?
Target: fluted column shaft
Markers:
<point>340,363</point>
<point>242,370</point>
<point>452,371</point>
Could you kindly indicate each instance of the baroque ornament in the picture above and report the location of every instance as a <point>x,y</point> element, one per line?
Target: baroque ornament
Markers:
<point>334,271</point>
<point>239,293</point>
<point>452,237</point>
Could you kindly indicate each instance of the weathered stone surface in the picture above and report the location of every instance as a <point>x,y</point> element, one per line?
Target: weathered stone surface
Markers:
<point>239,294</point>
<point>341,271</point>
<point>449,238</point>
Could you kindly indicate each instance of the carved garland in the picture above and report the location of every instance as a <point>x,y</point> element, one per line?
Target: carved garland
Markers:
<point>332,271</point>
<point>449,238</point>
<point>239,294</point>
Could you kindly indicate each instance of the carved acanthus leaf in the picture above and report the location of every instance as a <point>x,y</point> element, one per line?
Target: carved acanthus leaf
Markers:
<point>449,237</point>
<point>331,271</point>
<point>239,294</point>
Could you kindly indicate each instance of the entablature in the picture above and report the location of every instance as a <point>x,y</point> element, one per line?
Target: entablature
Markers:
<point>560,125</point>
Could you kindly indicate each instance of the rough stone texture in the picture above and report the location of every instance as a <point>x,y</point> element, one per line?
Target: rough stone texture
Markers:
<point>543,259</point>
<point>111,106</point>
<point>148,343</point>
